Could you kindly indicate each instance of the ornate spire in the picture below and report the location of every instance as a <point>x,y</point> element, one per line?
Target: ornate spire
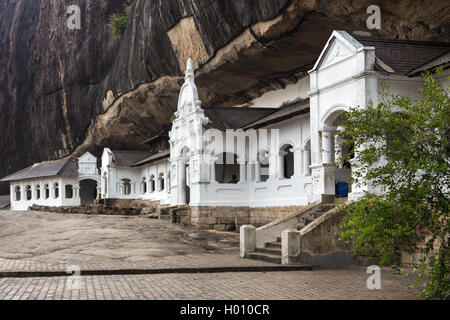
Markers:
<point>189,70</point>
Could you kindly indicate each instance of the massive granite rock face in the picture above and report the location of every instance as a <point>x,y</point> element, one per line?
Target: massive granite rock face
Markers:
<point>67,91</point>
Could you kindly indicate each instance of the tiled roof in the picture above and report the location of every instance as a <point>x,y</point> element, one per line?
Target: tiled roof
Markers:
<point>281,114</point>
<point>403,56</point>
<point>224,118</point>
<point>163,134</point>
<point>445,58</point>
<point>126,159</point>
<point>62,167</point>
<point>153,158</point>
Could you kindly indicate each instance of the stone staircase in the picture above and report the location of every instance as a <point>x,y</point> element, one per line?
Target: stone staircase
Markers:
<point>272,250</point>
<point>271,253</point>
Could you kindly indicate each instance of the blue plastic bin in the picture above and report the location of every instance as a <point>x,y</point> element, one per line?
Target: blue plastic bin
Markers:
<point>342,189</point>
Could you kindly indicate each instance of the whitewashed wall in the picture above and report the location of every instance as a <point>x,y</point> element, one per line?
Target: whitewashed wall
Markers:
<point>61,200</point>
<point>276,191</point>
<point>112,176</point>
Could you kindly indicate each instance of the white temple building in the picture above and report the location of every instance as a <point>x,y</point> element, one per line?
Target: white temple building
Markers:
<point>66,182</point>
<point>274,158</point>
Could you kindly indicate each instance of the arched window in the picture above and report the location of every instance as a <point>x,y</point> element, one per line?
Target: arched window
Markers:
<point>144,186</point>
<point>18,193</point>
<point>286,162</point>
<point>227,168</point>
<point>161,185</point>
<point>56,191</point>
<point>46,191</point>
<point>152,184</point>
<point>69,191</point>
<point>28,193</point>
<point>263,161</point>
<point>126,187</point>
<point>38,192</point>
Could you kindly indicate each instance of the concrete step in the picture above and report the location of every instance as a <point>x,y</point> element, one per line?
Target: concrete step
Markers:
<point>264,257</point>
<point>328,207</point>
<point>275,245</point>
<point>275,251</point>
<point>318,214</point>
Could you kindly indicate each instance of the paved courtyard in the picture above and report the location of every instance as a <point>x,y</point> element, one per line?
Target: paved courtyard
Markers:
<point>33,242</point>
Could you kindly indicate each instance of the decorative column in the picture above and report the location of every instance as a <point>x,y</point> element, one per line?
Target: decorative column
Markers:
<point>306,162</point>
<point>166,182</point>
<point>212,164</point>
<point>338,152</point>
<point>258,172</point>
<point>327,146</point>
<point>297,162</point>
<point>181,183</point>
<point>280,166</point>
<point>249,171</point>
<point>242,173</point>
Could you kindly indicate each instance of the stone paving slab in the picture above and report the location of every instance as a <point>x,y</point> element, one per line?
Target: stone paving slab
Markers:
<point>339,284</point>
<point>198,261</point>
<point>45,243</point>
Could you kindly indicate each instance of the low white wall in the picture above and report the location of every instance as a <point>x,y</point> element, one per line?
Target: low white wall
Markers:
<point>51,201</point>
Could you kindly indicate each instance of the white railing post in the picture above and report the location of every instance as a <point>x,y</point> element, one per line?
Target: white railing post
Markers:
<point>247,239</point>
<point>290,246</point>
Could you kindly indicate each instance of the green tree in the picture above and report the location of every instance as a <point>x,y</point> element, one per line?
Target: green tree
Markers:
<point>402,147</point>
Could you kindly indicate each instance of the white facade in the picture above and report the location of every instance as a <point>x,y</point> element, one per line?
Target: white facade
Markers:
<point>343,77</point>
<point>57,191</point>
<point>286,163</point>
<point>195,170</point>
<point>148,182</point>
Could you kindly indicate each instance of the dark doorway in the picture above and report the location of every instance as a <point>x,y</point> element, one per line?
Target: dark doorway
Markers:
<point>88,191</point>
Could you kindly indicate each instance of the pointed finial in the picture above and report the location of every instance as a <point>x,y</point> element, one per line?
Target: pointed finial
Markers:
<point>189,69</point>
<point>190,65</point>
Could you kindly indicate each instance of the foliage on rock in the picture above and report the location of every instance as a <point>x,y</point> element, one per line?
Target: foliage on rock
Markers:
<point>119,21</point>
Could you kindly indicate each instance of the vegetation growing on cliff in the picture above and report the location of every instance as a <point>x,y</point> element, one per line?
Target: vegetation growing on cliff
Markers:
<point>119,21</point>
<point>412,214</point>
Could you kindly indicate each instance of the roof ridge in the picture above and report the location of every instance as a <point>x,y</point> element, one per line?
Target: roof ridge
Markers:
<point>403,41</point>
<point>65,164</point>
<point>242,108</point>
<point>131,151</point>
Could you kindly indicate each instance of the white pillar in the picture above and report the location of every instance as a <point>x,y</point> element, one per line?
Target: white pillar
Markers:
<point>290,247</point>
<point>297,162</point>
<point>242,173</point>
<point>166,182</point>
<point>280,166</point>
<point>213,170</point>
<point>249,172</point>
<point>181,183</point>
<point>247,240</point>
<point>258,172</point>
<point>306,162</point>
<point>339,150</point>
<point>327,146</point>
